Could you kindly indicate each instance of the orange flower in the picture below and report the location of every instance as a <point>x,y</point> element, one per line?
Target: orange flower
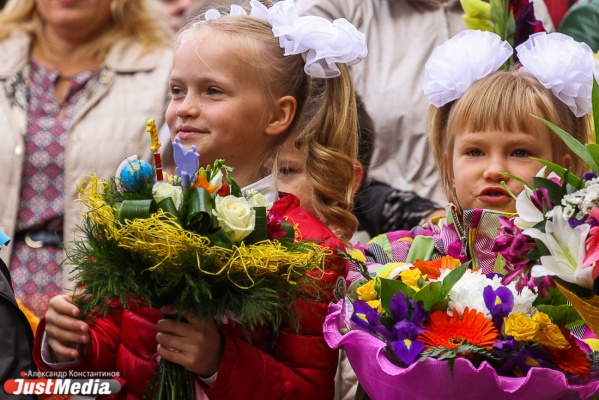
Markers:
<point>451,332</point>
<point>432,268</point>
<point>202,182</point>
<point>572,359</point>
<point>224,190</point>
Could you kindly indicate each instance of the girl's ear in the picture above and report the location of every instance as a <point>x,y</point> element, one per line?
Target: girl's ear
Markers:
<point>566,161</point>
<point>282,115</point>
<point>359,176</point>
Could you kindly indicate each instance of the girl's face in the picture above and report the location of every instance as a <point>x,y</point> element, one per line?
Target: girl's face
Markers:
<point>479,158</point>
<point>218,105</point>
<point>291,177</point>
<point>79,20</point>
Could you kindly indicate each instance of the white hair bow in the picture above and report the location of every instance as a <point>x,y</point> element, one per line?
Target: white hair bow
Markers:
<point>459,62</point>
<point>322,43</point>
<point>557,61</point>
<point>561,65</point>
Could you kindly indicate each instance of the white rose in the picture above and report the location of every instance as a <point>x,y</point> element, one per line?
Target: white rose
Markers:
<point>257,199</point>
<point>235,216</point>
<point>162,190</point>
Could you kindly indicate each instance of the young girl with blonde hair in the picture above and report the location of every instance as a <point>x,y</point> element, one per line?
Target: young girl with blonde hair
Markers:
<point>237,92</point>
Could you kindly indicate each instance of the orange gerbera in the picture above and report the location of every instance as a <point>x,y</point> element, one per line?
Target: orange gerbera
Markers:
<point>451,332</point>
<point>432,268</point>
<point>572,359</point>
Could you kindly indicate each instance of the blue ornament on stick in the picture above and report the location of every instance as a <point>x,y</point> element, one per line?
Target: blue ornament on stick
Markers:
<point>133,174</point>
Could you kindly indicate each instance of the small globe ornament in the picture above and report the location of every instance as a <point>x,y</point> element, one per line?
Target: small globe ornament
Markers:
<point>133,174</point>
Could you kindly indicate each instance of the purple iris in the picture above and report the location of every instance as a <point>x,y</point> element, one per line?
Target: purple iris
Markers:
<point>419,313</point>
<point>369,319</point>
<point>398,307</point>
<point>500,303</point>
<point>405,344</point>
<point>540,198</point>
<point>526,24</point>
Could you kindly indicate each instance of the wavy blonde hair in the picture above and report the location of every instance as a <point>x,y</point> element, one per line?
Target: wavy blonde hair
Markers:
<point>506,101</point>
<point>133,22</point>
<point>330,137</point>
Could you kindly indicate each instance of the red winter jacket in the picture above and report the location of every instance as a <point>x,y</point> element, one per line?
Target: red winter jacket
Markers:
<point>299,365</point>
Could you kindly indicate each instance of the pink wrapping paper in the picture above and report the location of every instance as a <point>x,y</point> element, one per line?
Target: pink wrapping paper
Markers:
<point>431,380</point>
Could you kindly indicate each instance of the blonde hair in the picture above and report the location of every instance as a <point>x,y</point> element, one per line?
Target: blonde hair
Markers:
<point>133,22</point>
<point>330,137</point>
<point>506,101</point>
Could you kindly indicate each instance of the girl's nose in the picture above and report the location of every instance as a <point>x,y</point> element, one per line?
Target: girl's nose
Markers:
<point>188,109</point>
<point>495,169</point>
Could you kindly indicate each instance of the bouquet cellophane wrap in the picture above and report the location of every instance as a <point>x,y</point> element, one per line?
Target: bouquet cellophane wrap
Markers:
<point>587,308</point>
<point>431,379</point>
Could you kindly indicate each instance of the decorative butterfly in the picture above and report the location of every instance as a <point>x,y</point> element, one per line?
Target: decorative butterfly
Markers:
<point>188,163</point>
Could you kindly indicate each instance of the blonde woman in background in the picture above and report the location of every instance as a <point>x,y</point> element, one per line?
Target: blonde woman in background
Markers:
<point>80,79</point>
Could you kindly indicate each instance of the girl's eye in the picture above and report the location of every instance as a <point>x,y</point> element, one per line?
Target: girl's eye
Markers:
<point>213,90</point>
<point>286,171</point>
<point>474,153</point>
<point>176,91</point>
<point>521,153</point>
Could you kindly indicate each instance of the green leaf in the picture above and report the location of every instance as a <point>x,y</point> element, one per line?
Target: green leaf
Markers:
<point>562,315</point>
<point>560,171</point>
<point>553,189</point>
<point>430,295</point>
<point>578,148</point>
<point>593,149</point>
<point>453,277</point>
<point>553,298</point>
<point>168,206</point>
<point>199,211</point>
<point>499,266</point>
<point>389,288</point>
<point>131,209</point>
<point>595,100</point>
<point>517,179</point>
<point>260,231</point>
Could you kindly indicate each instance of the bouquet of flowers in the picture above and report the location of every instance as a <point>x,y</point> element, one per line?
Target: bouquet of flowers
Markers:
<point>406,325</point>
<point>557,230</point>
<point>193,241</point>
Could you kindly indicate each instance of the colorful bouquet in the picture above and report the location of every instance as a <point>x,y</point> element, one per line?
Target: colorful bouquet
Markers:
<point>430,329</point>
<point>554,240</point>
<point>193,241</point>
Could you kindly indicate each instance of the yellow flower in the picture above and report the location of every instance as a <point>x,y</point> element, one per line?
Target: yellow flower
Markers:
<point>521,327</point>
<point>392,270</point>
<point>552,337</point>
<point>543,320</point>
<point>367,292</point>
<point>376,304</point>
<point>411,277</point>
<point>357,254</point>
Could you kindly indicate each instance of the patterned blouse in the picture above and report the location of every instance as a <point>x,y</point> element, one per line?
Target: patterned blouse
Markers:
<point>36,272</point>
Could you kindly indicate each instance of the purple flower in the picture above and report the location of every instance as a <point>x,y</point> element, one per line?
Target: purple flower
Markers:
<point>540,198</point>
<point>405,345</point>
<point>587,176</point>
<point>407,350</point>
<point>406,330</point>
<point>419,314</point>
<point>526,24</point>
<point>499,302</point>
<point>369,319</point>
<point>511,243</point>
<point>398,307</point>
